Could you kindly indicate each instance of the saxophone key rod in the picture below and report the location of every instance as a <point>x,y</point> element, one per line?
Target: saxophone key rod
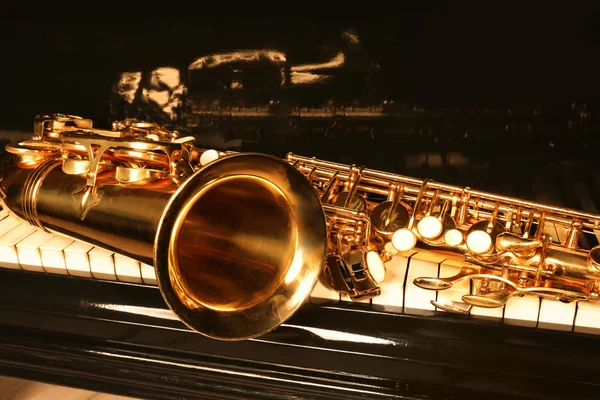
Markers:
<point>238,241</point>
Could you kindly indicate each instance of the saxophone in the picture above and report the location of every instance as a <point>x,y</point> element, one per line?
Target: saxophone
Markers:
<point>239,240</point>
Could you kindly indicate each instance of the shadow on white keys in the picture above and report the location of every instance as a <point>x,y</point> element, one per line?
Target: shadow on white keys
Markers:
<point>8,241</point>
<point>417,300</point>
<point>127,269</point>
<point>28,251</point>
<point>23,246</point>
<point>102,264</point>
<point>392,288</point>
<point>78,260</point>
<point>53,256</point>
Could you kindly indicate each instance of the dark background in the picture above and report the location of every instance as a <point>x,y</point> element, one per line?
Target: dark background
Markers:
<point>466,54</point>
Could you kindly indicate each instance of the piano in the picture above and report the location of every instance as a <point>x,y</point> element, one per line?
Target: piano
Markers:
<point>77,315</point>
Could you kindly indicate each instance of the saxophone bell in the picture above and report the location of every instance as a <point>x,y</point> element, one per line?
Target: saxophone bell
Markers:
<point>239,240</point>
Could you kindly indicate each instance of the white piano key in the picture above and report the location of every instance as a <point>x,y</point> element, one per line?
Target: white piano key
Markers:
<point>487,314</point>
<point>148,274</point>
<point>77,259</point>
<point>102,264</point>
<point>8,224</point>
<point>587,319</point>
<point>128,269</point>
<point>3,213</point>
<point>323,293</point>
<point>450,268</point>
<point>8,249</point>
<point>392,288</point>
<point>556,315</point>
<point>53,256</point>
<point>417,300</point>
<point>28,250</point>
<point>522,311</point>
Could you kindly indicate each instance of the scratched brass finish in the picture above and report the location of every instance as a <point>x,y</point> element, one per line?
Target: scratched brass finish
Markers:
<point>238,241</point>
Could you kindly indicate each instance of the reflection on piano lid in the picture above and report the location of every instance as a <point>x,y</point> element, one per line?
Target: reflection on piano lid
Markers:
<point>97,320</point>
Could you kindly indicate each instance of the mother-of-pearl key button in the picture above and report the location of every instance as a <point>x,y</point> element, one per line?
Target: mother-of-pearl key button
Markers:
<point>8,250</point>
<point>148,274</point>
<point>430,227</point>
<point>29,253</point>
<point>208,156</point>
<point>102,264</point>
<point>128,269</point>
<point>53,256</point>
<point>77,259</point>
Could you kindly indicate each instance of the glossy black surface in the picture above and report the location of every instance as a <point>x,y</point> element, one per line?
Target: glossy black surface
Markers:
<point>453,72</point>
<point>83,332</point>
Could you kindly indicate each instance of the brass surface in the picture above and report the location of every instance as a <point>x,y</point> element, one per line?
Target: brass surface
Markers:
<point>230,257</point>
<point>238,240</point>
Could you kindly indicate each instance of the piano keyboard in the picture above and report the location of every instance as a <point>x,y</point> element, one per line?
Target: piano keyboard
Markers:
<point>25,247</point>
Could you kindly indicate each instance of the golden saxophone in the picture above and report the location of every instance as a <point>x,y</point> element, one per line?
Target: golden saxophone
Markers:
<point>239,240</point>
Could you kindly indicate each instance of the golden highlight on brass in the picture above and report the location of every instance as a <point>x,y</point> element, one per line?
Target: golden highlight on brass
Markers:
<point>239,240</point>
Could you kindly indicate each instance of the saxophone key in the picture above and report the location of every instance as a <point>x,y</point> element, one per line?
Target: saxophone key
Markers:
<point>450,300</point>
<point>350,276</point>
<point>454,238</point>
<point>452,306</point>
<point>208,156</point>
